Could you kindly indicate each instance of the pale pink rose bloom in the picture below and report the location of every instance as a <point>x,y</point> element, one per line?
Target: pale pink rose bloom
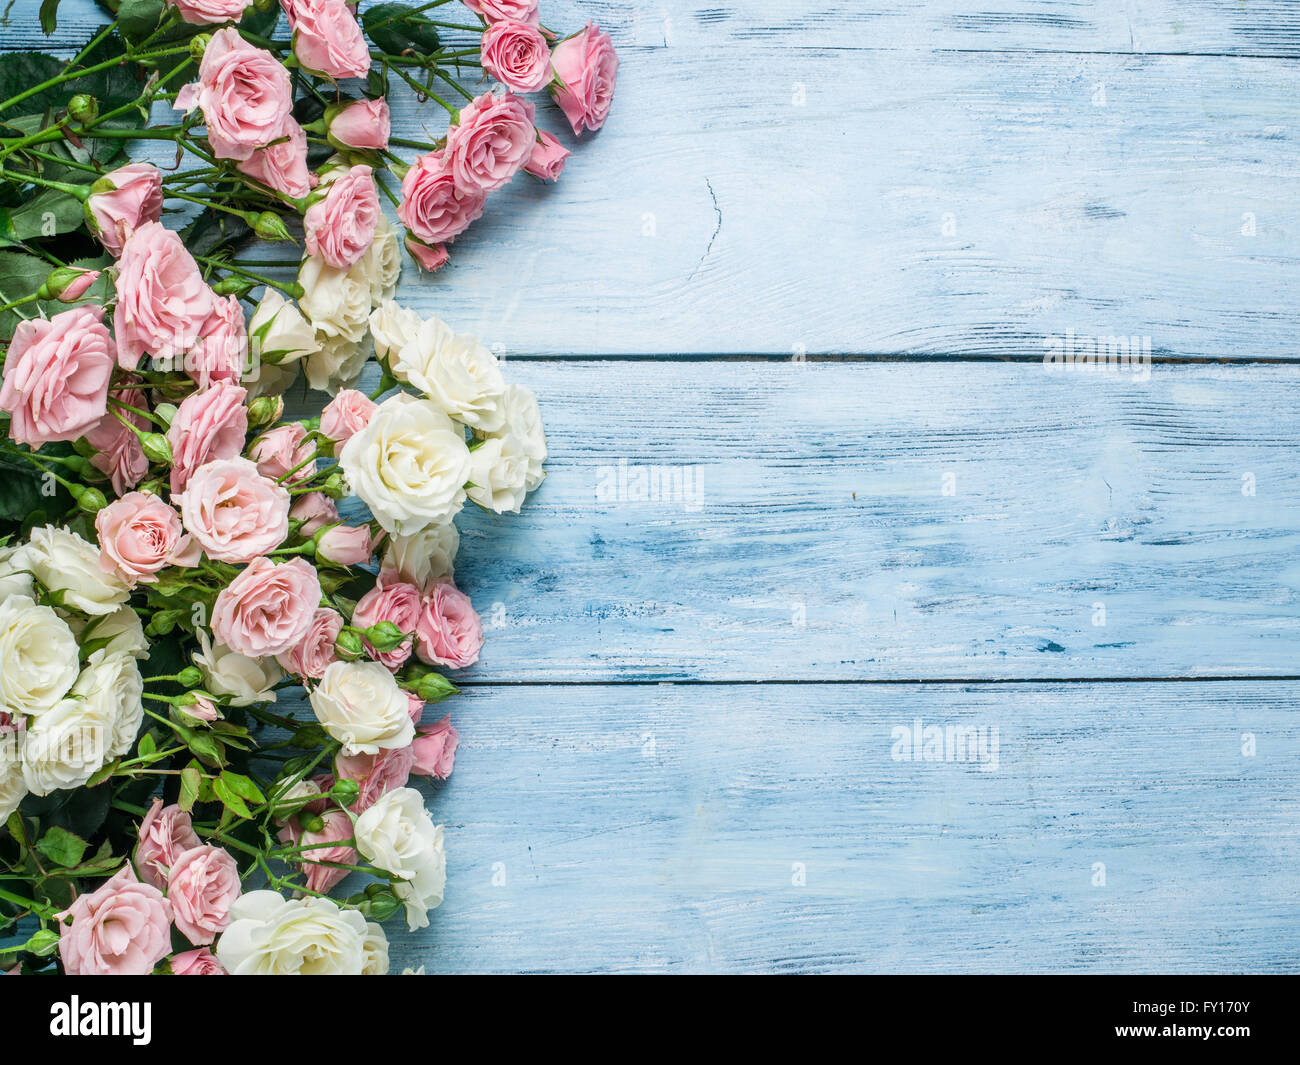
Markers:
<point>548,157</point>
<point>209,12</point>
<point>203,708</point>
<point>433,207</point>
<point>315,510</point>
<point>200,962</point>
<point>207,425</point>
<point>377,774</point>
<point>348,413</point>
<point>244,93</point>
<point>415,705</point>
<point>139,534</point>
<point>267,609</point>
<point>434,750</point>
<point>586,65</point>
<point>165,834</point>
<point>341,227</point>
<point>516,54</point>
<point>118,452</point>
<point>397,602</point>
<point>345,545</point>
<point>234,512</point>
<point>429,258</point>
<point>315,651</point>
<point>449,632</point>
<point>363,124</point>
<point>505,10</point>
<point>123,928</point>
<point>162,299</point>
<point>56,376</point>
<point>201,885</point>
<point>491,140</point>
<point>338,826</point>
<point>283,448</point>
<point>282,165</point>
<point>327,39</point>
<point>76,288</point>
<point>222,351</point>
<point>131,196</point>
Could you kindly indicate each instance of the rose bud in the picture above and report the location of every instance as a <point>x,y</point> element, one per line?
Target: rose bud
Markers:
<point>67,284</point>
<point>428,257</point>
<point>358,125</point>
<point>547,159</point>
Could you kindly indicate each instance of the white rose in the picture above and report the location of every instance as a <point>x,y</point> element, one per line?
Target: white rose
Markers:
<point>396,834</point>
<point>226,672</point>
<point>66,746</point>
<point>383,262</point>
<point>393,327</point>
<point>114,680</point>
<point>361,706</point>
<point>65,563</point>
<point>14,578</point>
<point>455,371</point>
<point>374,952</point>
<point>423,557</point>
<point>38,657</point>
<point>13,789</point>
<point>288,800</point>
<point>267,380</point>
<point>274,936</point>
<point>278,334</point>
<point>524,423</point>
<point>498,468</point>
<point>409,465</point>
<point>336,302</point>
<point>337,365</point>
<point>122,630</point>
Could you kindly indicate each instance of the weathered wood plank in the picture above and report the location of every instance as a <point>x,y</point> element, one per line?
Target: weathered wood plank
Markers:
<point>800,528</point>
<point>652,828</point>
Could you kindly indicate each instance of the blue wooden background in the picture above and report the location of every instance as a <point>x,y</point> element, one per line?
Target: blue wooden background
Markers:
<point>808,270</point>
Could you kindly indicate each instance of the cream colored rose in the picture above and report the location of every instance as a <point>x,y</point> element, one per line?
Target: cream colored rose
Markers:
<point>337,365</point>
<point>67,745</point>
<point>361,706</point>
<point>336,302</point>
<point>14,578</point>
<point>278,334</point>
<point>498,468</point>
<point>524,423</point>
<point>396,834</point>
<point>375,952</point>
<point>266,380</point>
<point>409,465</point>
<point>382,263</point>
<point>226,672</point>
<point>38,657</point>
<point>392,327</point>
<point>68,565</point>
<point>423,557</point>
<point>122,630</point>
<point>13,789</point>
<point>457,372</point>
<point>114,680</point>
<point>274,936</point>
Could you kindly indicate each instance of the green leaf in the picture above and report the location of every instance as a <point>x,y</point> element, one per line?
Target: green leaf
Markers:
<point>20,276</point>
<point>191,780</point>
<point>22,493</point>
<point>139,18</point>
<point>102,863</point>
<point>42,943</point>
<point>147,745</point>
<point>103,773</point>
<point>397,27</point>
<point>47,214</point>
<point>242,786</point>
<point>230,799</point>
<point>49,16</point>
<point>62,847</point>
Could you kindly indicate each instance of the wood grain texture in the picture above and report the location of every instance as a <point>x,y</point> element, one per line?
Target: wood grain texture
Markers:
<point>656,828</point>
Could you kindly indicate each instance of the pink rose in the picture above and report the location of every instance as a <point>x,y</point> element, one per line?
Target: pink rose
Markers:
<point>363,125</point>
<point>505,10</point>
<point>396,602</point>
<point>222,351</point>
<point>201,885</point>
<point>327,39</point>
<point>234,512</point>
<point>433,207</point>
<point>209,12</point>
<point>282,449</point>
<point>434,750</point>
<point>345,545</point>
<point>76,286</point>
<point>338,827</point>
<point>547,159</point>
<point>202,709</point>
<point>414,706</point>
<point>516,54</point>
<point>245,95</point>
<point>165,834</point>
<point>315,510</point>
<point>341,227</point>
<point>56,376</point>
<point>315,651</point>
<point>586,65</point>
<point>162,300</point>
<point>491,140</point>
<point>121,929</point>
<point>449,632</point>
<point>282,164</point>
<point>267,609</point>
<point>123,200</point>
<point>377,774</point>
<point>200,962</point>
<point>208,425</point>
<point>139,534</point>
<point>348,412</point>
<point>118,452</point>
<point>426,257</point>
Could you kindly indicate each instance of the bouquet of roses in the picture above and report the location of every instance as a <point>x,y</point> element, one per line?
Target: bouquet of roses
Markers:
<point>180,561</point>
